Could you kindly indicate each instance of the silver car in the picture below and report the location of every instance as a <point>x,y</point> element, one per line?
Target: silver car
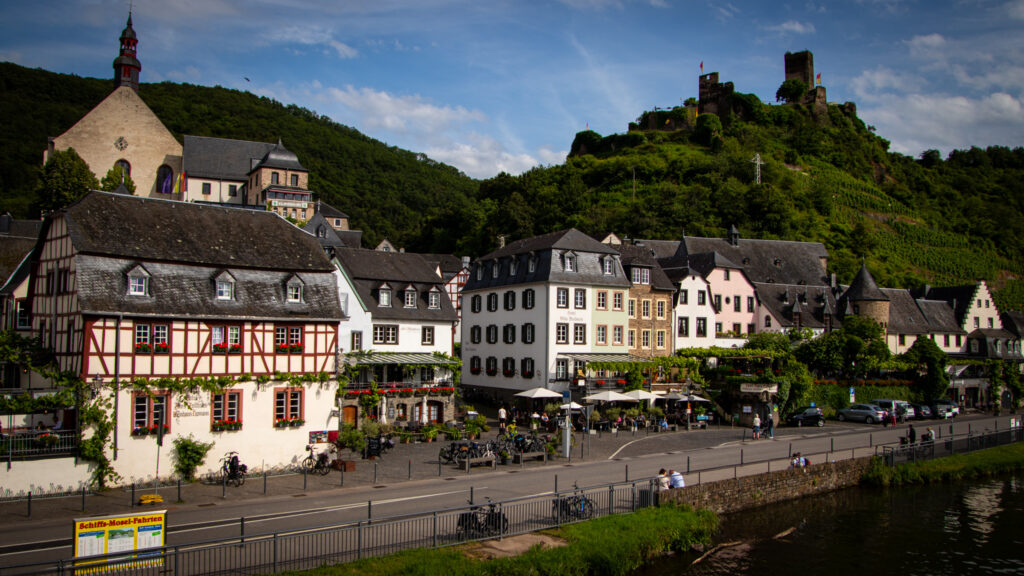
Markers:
<point>868,413</point>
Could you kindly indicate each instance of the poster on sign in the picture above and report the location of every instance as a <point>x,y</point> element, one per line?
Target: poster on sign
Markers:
<point>131,534</point>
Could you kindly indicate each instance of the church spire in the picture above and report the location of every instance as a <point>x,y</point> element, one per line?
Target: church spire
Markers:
<point>126,65</point>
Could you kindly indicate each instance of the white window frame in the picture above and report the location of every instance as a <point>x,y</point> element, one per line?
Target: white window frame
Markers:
<point>295,292</point>
<point>434,300</point>
<point>138,286</point>
<point>225,290</point>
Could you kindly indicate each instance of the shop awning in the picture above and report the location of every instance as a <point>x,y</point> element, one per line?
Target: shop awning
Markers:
<point>375,358</point>
<point>588,357</point>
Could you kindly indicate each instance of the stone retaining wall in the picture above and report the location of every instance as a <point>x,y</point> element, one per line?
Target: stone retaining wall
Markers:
<point>727,496</point>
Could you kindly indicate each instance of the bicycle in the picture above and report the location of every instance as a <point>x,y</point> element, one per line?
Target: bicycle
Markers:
<point>482,521</point>
<point>231,470</point>
<point>575,507</point>
<point>319,463</point>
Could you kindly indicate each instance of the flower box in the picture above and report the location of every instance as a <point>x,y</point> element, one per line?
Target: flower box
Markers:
<point>281,423</point>
<point>405,392</point>
<point>221,348</point>
<point>295,422</point>
<point>226,425</point>
<point>492,372</point>
<point>620,382</point>
<point>48,440</point>
<point>421,392</point>
<point>282,349</point>
<point>600,382</point>
<point>474,370</point>
<point>235,349</point>
<point>156,429</point>
<point>162,348</point>
<point>143,348</point>
<point>140,431</point>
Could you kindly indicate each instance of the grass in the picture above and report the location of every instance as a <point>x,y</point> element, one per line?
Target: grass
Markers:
<point>978,464</point>
<point>610,546</point>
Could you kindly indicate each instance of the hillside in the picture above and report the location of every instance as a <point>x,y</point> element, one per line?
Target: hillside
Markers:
<point>387,192</point>
<point>825,178</point>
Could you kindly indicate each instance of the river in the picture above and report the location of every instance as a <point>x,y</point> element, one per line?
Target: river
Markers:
<point>975,527</point>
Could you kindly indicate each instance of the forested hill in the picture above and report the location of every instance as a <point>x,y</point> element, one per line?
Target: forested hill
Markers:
<point>827,178</point>
<point>387,192</point>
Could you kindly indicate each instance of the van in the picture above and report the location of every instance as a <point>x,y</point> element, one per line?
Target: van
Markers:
<point>896,407</point>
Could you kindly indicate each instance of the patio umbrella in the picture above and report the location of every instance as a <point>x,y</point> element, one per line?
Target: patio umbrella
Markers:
<point>609,396</point>
<point>539,392</point>
<point>695,398</point>
<point>674,396</point>
<point>642,395</point>
<point>570,406</point>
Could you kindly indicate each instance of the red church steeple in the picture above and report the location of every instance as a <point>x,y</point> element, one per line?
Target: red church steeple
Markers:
<point>126,65</point>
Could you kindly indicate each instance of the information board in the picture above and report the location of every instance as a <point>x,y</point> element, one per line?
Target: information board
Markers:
<point>119,534</point>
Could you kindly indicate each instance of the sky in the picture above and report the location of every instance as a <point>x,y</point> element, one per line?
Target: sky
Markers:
<point>492,86</point>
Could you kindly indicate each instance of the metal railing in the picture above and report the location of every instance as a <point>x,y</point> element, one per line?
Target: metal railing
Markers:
<point>309,548</point>
<point>38,444</point>
<point>906,452</point>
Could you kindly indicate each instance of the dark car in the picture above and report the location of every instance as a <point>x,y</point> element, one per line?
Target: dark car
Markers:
<point>922,411</point>
<point>862,413</point>
<point>807,416</point>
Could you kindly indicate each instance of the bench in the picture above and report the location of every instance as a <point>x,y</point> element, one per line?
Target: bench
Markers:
<point>469,462</point>
<point>518,457</point>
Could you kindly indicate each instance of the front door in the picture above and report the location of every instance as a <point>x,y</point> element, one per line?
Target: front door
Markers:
<point>350,415</point>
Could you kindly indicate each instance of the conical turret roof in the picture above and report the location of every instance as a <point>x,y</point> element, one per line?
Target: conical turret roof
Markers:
<point>864,288</point>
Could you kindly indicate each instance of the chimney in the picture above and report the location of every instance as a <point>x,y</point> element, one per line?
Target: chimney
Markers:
<point>465,261</point>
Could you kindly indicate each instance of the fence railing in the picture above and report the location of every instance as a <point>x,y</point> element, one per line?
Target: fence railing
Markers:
<point>308,548</point>
<point>38,444</point>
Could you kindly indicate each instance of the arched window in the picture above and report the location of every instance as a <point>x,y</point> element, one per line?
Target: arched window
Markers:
<point>126,168</point>
<point>165,179</point>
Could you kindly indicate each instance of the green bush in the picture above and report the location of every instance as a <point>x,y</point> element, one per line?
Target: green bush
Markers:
<point>189,455</point>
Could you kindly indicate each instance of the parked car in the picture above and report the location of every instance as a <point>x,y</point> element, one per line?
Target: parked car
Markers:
<point>869,413</point>
<point>902,408</point>
<point>922,411</point>
<point>943,410</point>
<point>951,404</point>
<point>806,416</point>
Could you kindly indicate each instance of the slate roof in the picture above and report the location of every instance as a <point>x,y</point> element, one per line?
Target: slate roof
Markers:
<point>449,264</point>
<point>959,297</point>
<point>905,317</point>
<point>704,263</point>
<point>282,158</point>
<point>1013,322</point>
<point>162,230</point>
<point>864,288</point>
<point>940,316</point>
<point>638,255</point>
<point>182,290</point>
<point>221,158</point>
<point>329,211</point>
<point>369,269</point>
<point>764,261</point>
<point>324,233</point>
<point>548,249</point>
<point>812,302</point>
<point>989,337</point>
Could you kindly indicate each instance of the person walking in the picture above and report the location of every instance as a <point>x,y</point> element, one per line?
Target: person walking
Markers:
<point>502,419</point>
<point>911,434</point>
<point>757,426</point>
<point>771,426</point>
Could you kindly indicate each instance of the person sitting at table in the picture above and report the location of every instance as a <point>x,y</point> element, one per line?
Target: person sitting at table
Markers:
<point>40,426</point>
<point>57,423</point>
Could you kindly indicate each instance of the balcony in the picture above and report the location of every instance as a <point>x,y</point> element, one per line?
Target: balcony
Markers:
<point>24,444</point>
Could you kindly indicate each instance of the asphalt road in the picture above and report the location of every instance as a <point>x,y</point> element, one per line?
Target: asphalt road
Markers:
<point>290,504</point>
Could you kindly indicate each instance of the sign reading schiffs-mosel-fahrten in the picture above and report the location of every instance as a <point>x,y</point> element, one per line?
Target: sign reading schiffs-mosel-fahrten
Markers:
<point>121,534</point>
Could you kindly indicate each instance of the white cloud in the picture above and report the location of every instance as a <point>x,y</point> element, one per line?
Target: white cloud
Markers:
<point>917,122</point>
<point>725,11</point>
<point>872,84</point>
<point>1016,9</point>
<point>481,157</point>
<point>792,27</point>
<point>548,156</point>
<point>311,36</point>
<point>402,114</point>
<point>930,46</point>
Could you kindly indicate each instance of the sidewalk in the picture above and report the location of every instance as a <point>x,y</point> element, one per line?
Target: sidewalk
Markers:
<point>404,463</point>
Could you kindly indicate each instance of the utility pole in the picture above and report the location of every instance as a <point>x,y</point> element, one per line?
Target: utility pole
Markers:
<point>757,167</point>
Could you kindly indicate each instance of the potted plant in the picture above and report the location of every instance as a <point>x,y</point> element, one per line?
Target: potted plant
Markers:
<point>48,440</point>
<point>162,348</point>
<point>503,455</point>
<point>140,431</point>
<point>429,433</point>
<point>281,423</point>
<point>295,349</point>
<point>143,348</point>
<point>452,433</point>
<point>235,349</point>
<point>295,422</point>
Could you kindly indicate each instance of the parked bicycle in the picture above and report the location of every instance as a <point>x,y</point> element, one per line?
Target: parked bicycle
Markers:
<point>482,521</point>
<point>317,462</point>
<point>575,507</point>
<point>232,471</point>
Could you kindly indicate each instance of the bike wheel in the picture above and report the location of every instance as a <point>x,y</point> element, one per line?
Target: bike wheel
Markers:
<point>238,479</point>
<point>587,510</point>
<point>324,468</point>
<point>309,464</point>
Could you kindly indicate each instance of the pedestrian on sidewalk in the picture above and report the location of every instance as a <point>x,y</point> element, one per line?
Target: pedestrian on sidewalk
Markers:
<point>502,419</point>
<point>757,426</point>
<point>771,426</point>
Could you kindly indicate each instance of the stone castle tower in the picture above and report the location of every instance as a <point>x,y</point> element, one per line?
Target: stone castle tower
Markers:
<point>800,66</point>
<point>865,298</point>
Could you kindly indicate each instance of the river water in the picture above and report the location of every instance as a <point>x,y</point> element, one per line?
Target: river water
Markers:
<point>975,527</point>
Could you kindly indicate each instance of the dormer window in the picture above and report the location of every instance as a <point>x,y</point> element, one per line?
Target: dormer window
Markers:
<point>570,262</point>
<point>495,268</point>
<point>641,275</point>
<point>513,267</point>
<point>479,272</point>
<point>608,266</point>
<point>384,296</point>
<point>294,290</point>
<point>410,297</point>
<point>224,287</point>
<point>138,281</point>
<point>434,299</point>
<point>531,264</point>
<point>321,231</point>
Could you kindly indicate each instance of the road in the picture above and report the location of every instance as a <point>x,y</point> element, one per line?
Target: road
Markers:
<point>709,455</point>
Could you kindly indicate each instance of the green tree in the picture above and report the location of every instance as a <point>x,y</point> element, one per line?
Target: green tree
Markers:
<point>114,178</point>
<point>791,91</point>
<point>709,126</point>
<point>933,382</point>
<point>66,178</point>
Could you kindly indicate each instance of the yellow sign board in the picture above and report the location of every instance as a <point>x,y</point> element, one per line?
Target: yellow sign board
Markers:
<point>121,534</point>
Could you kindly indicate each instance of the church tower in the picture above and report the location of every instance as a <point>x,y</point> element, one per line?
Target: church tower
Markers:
<point>126,65</point>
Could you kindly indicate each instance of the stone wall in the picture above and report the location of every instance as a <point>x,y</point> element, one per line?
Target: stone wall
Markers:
<point>746,492</point>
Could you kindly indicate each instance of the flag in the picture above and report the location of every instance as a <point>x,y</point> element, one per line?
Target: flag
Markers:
<point>818,79</point>
<point>701,66</point>
<point>180,184</point>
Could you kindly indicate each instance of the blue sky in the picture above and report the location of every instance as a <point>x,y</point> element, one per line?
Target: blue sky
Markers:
<point>491,86</point>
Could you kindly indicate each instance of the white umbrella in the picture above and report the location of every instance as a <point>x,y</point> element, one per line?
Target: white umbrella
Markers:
<point>642,395</point>
<point>383,409</point>
<point>609,396</point>
<point>570,406</point>
<point>695,398</point>
<point>539,392</point>
<point>674,396</point>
